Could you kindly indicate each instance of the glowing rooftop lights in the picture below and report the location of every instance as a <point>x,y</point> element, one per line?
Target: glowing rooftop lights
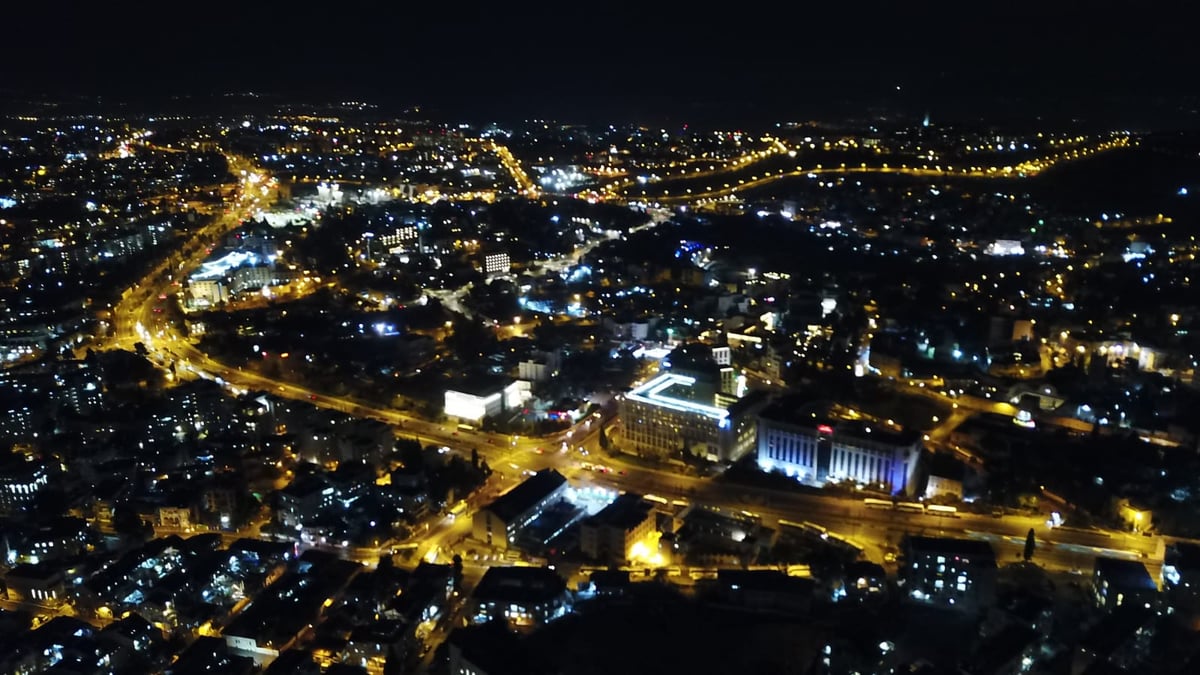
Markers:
<point>652,393</point>
<point>215,269</point>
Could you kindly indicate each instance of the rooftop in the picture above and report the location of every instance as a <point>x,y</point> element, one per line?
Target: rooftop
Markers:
<point>1115,629</point>
<point>481,385</point>
<point>523,497</point>
<point>494,650</point>
<point>1125,574</point>
<point>770,581</point>
<point>625,513</point>
<point>1184,555</point>
<point>817,415</point>
<point>980,551</point>
<point>519,585</point>
<point>656,393</point>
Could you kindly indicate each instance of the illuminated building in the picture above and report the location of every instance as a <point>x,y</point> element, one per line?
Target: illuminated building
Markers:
<point>16,421</point>
<point>955,573</point>
<point>20,484</point>
<point>540,367</point>
<point>62,538</point>
<point>498,523</point>
<point>663,418</point>
<point>621,532</point>
<point>521,596</point>
<point>816,450</point>
<point>304,499</point>
<point>40,583</point>
<point>208,292</point>
<point>253,277</point>
<point>693,407</point>
<point>398,237</point>
<point>1005,247</point>
<point>496,264</point>
<point>473,401</point>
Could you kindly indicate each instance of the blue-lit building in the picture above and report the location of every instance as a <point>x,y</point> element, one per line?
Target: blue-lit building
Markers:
<point>814,448</point>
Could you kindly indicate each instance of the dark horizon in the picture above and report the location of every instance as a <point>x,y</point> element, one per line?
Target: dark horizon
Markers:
<point>752,65</point>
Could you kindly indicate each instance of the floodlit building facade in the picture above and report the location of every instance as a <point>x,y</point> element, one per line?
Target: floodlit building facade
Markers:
<point>816,450</point>
<point>473,402</point>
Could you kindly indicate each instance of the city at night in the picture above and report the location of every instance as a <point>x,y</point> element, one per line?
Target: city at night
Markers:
<point>574,340</point>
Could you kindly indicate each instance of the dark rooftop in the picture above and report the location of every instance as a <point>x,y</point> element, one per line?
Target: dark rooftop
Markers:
<point>481,384</point>
<point>210,655</point>
<point>519,584</point>
<point>1184,556</point>
<point>1001,649</point>
<point>806,413</point>
<point>294,662</point>
<point>979,551</point>
<point>610,579</point>
<point>523,497</point>
<point>494,650</point>
<point>772,581</point>
<point>1115,629</point>
<point>1125,574</point>
<point>625,513</point>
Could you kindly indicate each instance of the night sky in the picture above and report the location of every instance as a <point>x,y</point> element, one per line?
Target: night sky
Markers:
<point>627,60</point>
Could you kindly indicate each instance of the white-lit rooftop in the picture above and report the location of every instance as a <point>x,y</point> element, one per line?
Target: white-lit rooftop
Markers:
<point>653,393</point>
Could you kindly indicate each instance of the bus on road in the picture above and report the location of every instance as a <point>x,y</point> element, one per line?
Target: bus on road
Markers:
<point>871,503</point>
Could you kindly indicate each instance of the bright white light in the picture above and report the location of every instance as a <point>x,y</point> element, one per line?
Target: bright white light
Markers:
<point>652,393</point>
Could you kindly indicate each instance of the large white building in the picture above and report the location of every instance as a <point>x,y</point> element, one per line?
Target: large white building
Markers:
<point>471,402</point>
<point>540,367</point>
<point>208,292</point>
<point>253,277</point>
<point>815,449</point>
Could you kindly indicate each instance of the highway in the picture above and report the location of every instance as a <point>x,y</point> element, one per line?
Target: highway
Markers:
<point>710,192</point>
